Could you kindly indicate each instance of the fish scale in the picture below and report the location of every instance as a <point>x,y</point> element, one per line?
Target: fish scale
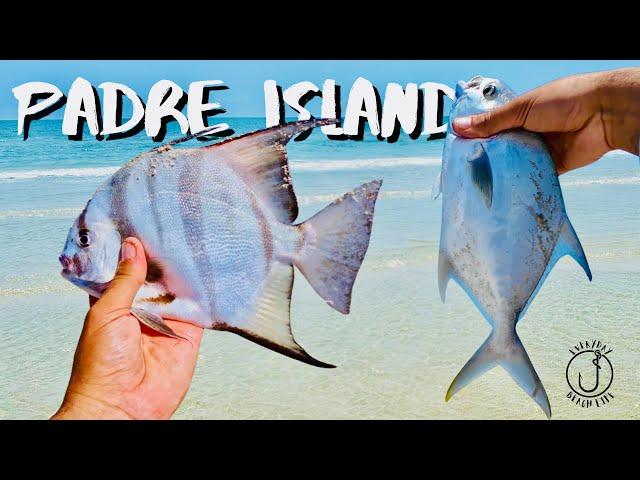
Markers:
<point>216,223</point>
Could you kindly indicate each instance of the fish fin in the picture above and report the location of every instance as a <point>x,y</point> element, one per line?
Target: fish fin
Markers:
<point>261,159</point>
<point>482,361</point>
<point>270,325</point>
<point>155,322</point>
<point>511,356</point>
<point>518,364</point>
<point>444,274</point>
<point>335,242</point>
<point>436,189</point>
<point>208,133</point>
<point>569,244</point>
<point>481,174</point>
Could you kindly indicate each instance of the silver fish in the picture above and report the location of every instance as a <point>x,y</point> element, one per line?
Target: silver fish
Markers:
<point>504,226</point>
<point>216,223</point>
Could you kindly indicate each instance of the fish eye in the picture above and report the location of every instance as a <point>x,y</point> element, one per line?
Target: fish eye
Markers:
<point>84,239</point>
<point>489,91</point>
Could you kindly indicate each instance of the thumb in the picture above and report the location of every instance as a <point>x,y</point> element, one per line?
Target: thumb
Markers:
<point>129,277</point>
<point>512,115</point>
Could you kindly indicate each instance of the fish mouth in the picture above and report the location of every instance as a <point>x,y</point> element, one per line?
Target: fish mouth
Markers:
<point>69,275</point>
<point>462,87</point>
<point>93,288</point>
<point>67,265</point>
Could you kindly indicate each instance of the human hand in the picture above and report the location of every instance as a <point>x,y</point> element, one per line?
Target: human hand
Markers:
<point>122,369</point>
<point>581,117</point>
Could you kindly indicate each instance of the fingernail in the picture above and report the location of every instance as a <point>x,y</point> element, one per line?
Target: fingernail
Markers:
<point>462,123</point>
<point>128,250</point>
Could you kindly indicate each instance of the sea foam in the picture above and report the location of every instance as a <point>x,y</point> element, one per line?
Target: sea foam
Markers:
<point>57,172</point>
<point>308,166</point>
<point>635,180</point>
<point>391,194</point>
<point>365,164</point>
<point>73,212</point>
<point>42,213</point>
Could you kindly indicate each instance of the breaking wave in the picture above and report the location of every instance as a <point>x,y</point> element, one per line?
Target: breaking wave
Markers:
<point>303,166</point>
<point>308,166</point>
<point>602,181</point>
<point>73,212</point>
<point>58,172</point>
<point>391,194</point>
<point>361,164</point>
<point>42,213</point>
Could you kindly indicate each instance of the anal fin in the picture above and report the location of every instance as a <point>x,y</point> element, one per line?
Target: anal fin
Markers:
<point>569,244</point>
<point>270,325</point>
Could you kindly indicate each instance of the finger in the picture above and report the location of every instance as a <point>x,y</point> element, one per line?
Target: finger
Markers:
<point>129,277</point>
<point>512,115</point>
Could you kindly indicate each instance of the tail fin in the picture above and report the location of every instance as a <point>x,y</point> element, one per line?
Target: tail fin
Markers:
<point>335,242</point>
<point>511,356</point>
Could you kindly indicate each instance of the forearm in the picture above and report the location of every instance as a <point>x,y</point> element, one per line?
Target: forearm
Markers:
<point>619,95</point>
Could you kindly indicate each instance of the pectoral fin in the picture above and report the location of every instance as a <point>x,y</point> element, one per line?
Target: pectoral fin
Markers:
<point>155,322</point>
<point>481,175</point>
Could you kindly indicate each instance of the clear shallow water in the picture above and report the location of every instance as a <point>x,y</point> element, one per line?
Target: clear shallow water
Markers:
<point>399,349</point>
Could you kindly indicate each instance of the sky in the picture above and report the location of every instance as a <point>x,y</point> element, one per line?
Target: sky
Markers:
<point>245,78</point>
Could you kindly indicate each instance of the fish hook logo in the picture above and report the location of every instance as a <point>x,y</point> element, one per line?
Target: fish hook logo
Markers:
<point>590,374</point>
<point>596,362</point>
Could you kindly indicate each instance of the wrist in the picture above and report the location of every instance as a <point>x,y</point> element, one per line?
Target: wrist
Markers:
<point>77,406</point>
<point>618,92</point>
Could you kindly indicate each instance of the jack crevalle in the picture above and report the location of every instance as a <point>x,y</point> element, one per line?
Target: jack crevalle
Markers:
<point>216,223</point>
<point>504,227</point>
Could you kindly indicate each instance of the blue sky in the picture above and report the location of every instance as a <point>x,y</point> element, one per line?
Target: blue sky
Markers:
<point>245,78</point>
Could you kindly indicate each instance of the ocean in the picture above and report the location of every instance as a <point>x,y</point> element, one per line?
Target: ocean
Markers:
<point>398,350</point>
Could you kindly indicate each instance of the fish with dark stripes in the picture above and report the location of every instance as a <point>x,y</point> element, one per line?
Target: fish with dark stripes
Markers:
<point>217,224</point>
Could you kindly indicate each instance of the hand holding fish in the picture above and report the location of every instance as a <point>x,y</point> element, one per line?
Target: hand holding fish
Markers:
<point>582,117</point>
<point>122,368</point>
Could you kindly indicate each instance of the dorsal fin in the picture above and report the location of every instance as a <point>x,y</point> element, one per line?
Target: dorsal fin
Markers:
<point>261,159</point>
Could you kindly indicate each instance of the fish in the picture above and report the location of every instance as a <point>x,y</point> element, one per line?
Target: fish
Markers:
<point>217,226</point>
<point>503,228</point>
